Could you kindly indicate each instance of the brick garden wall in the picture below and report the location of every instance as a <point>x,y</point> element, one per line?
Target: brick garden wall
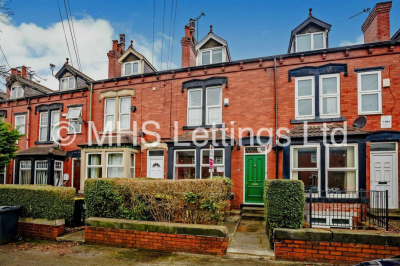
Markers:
<point>40,231</point>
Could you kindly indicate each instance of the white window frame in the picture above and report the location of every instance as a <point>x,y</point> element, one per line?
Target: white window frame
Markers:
<point>18,94</point>
<point>341,169</point>
<point>194,107</point>
<point>215,164</point>
<point>312,40</point>
<point>17,126</point>
<point>360,93</point>
<point>211,50</point>
<point>67,79</point>
<point>26,169</point>
<point>41,169</point>
<point>130,165</point>
<point>93,166</point>
<point>43,127</point>
<point>185,165</point>
<point>74,119</point>
<point>107,165</point>
<point>311,97</point>
<point>318,168</point>
<point>54,125</point>
<point>106,115</point>
<point>132,62</point>
<point>213,106</point>
<point>120,114</point>
<point>335,95</point>
<point>61,169</point>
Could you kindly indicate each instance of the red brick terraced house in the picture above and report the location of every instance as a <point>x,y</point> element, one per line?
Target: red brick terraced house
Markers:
<point>352,91</point>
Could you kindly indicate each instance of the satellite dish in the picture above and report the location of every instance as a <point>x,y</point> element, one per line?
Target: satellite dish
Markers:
<point>360,122</point>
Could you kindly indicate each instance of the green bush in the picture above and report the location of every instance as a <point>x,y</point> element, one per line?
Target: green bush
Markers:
<point>284,205</point>
<point>39,201</point>
<point>187,201</point>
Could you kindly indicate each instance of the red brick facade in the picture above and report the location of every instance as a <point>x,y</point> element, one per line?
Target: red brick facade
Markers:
<point>40,231</point>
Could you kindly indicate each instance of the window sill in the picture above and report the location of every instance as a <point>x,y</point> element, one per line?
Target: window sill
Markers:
<point>76,133</point>
<point>43,142</point>
<point>372,113</point>
<point>204,126</point>
<point>115,132</point>
<point>318,120</point>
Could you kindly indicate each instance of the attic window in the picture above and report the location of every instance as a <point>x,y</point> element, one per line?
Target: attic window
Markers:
<point>16,92</point>
<point>310,41</point>
<point>67,83</point>
<point>130,68</point>
<point>211,56</point>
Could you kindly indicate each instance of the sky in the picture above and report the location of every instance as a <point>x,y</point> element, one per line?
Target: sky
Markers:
<point>34,35</point>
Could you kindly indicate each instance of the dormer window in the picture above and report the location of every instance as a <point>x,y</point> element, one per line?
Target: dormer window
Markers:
<point>211,56</point>
<point>310,41</point>
<point>131,68</point>
<point>67,83</point>
<point>16,92</point>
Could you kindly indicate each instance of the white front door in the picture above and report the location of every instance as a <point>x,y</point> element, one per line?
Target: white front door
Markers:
<point>155,167</point>
<point>384,176</point>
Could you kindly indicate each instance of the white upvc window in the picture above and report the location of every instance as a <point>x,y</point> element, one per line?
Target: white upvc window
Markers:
<point>16,92</point>
<point>55,125</point>
<point>132,165</point>
<point>109,114</point>
<point>369,93</point>
<point>305,97</point>
<point>93,165</point>
<point>211,56</point>
<point>184,164</point>
<point>41,173</point>
<point>43,126</point>
<point>74,125</point>
<point>310,41</point>
<point>219,163</point>
<point>124,113</point>
<point>20,124</point>
<point>115,164</point>
<point>25,172</point>
<point>195,107</point>
<point>305,166</point>
<point>131,68</point>
<point>329,95</point>
<point>214,105</point>
<point>341,169</point>
<point>58,173</point>
<point>67,83</point>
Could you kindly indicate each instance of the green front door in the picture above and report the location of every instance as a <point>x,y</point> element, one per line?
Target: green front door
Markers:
<point>254,178</point>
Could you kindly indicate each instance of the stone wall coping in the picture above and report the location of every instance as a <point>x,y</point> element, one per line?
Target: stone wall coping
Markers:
<point>159,227</point>
<point>370,237</point>
<point>42,221</point>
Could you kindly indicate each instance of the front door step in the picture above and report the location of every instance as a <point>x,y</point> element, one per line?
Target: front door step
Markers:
<point>255,210</point>
<point>253,216</point>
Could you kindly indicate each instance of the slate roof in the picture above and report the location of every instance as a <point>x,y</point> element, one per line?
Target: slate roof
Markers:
<point>396,36</point>
<point>316,130</point>
<point>72,70</point>
<point>201,136</point>
<point>114,141</point>
<point>31,88</point>
<point>3,95</point>
<point>43,150</point>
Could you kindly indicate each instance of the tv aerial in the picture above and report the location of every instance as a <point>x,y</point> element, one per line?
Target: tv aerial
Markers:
<point>365,10</point>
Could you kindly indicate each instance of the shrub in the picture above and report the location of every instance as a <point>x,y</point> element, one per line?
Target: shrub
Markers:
<point>284,205</point>
<point>39,201</point>
<point>187,201</point>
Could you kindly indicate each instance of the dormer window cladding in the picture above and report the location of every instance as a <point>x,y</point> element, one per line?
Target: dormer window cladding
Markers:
<point>131,68</point>
<point>16,92</point>
<point>67,83</point>
<point>310,41</point>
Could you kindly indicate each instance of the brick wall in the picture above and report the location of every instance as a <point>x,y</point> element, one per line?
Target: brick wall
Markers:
<point>40,231</point>
<point>156,241</point>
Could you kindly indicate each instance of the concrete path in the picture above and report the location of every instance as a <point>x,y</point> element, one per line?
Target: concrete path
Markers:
<point>250,239</point>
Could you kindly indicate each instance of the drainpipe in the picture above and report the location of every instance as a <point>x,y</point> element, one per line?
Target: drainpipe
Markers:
<point>90,102</point>
<point>276,125</point>
<point>28,122</point>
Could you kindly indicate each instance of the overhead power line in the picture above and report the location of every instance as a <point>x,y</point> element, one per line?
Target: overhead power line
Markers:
<point>5,57</point>
<point>173,34</point>
<point>66,40</point>
<point>73,30</point>
<point>154,19</point>
<point>169,35</point>
<point>162,36</point>
<point>72,37</point>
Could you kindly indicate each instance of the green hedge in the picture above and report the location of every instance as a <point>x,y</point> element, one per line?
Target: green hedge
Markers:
<point>284,205</point>
<point>39,201</point>
<point>186,201</point>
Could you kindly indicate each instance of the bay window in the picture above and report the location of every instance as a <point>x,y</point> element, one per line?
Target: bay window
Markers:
<point>132,165</point>
<point>58,173</point>
<point>94,165</point>
<point>41,172</point>
<point>329,95</point>
<point>304,102</point>
<point>369,93</point>
<point>219,163</point>
<point>115,164</point>
<point>25,172</point>
<point>185,164</point>
<point>305,166</point>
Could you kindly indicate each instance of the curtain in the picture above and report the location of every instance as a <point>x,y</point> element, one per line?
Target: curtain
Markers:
<point>25,178</point>
<point>115,159</point>
<point>41,177</point>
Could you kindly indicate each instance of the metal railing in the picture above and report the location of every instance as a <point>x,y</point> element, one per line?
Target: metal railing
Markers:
<point>364,209</point>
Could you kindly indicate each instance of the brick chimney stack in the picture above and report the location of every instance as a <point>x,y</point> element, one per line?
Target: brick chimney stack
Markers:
<point>188,45</point>
<point>122,42</point>
<point>24,72</point>
<point>13,71</point>
<point>376,27</point>
<point>114,67</point>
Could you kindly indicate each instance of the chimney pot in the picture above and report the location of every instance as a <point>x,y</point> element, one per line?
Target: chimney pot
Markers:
<point>115,44</point>
<point>13,71</point>
<point>122,42</point>
<point>24,72</point>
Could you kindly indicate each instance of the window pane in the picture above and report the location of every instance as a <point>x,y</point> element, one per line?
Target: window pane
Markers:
<point>94,172</point>
<point>125,105</point>
<point>25,177</point>
<point>304,87</point>
<point>305,158</point>
<point>383,147</point>
<point>205,172</point>
<point>156,153</point>
<point>115,159</point>
<point>25,165</point>
<point>132,160</point>
<point>110,106</point>
<point>128,69</point>
<point>214,96</point>
<point>329,106</point>
<point>185,157</point>
<point>115,172</point>
<point>369,82</point>
<point>43,134</point>
<point>195,98</point>
<point>194,117</point>
<point>58,181</point>
<point>329,85</point>
<point>94,159</point>
<point>124,121</point>
<point>341,157</point>
<point>218,157</point>
<point>217,56</point>
<point>341,182</point>
<point>305,107</point>
<point>71,83</point>
<point>309,178</point>
<point>44,119</point>
<point>369,102</point>
<point>74,113</point>
<point>55,117</point>
<point>205,58</point>
<point>109,122</point>
<point>303,43</point>
<point>318,41</point>
<point>185,173</point>
<point>41,177</point>
<point>214,115</point>
<point>64,84</point>
<point>135,68</point>
<point>42,165</point>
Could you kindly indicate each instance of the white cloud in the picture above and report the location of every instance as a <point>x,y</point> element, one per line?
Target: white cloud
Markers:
<point>359,40</point>
<point>37,47</point>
